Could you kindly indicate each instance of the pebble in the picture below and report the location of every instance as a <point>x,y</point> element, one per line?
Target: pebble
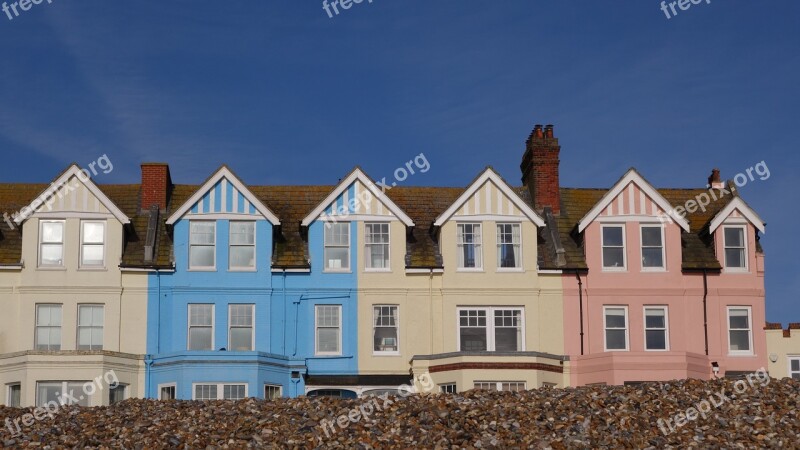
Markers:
<point>584,417</point>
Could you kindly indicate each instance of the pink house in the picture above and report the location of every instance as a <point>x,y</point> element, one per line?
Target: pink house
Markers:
<point>659,284</point>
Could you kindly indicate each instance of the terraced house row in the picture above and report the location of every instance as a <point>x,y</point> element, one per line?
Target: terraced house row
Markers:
<point>228,290</point>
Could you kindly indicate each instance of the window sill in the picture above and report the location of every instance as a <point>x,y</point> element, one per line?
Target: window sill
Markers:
<point>385,354</point>
<point>327,355</point>
<point>470,270</point>
<point>337,271</point>
<point>746,355</point>
<point>243,270</point>
<point>92,269</point>
<point>52,268</point>
<point>735,271</point>
<point>655,270</point>
<point>378,270</point>
<point>615,270</point>
<point>210,269</point>
<point>511,270</point>
<point>657,350</point>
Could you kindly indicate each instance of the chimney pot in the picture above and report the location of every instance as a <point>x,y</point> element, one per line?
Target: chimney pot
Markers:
<point>548,131</point>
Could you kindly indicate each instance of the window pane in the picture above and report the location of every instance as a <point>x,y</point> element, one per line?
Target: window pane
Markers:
<point>116,394</point>
<point>92,255</point>
<point>200,338</point>
<point>47,392</point>
<point>241,339</point>
<point>739,319</point>
<point>734,237</point>
<point>651,236</point>
<point>612,236</point>
<point>200,314</point>
<point>734,257</point>
<point>506,339</point>
<point>337,234</point>
<point>205,392</point>
<point>243,233</point>
<point>615,339</point>
<point>613,257</point>
<point>52,255</point>
<point>655,318</point>
<point>233,391</point>
<point>52,232</point>
<point>328,340</point>
<point>241,315</point>
<point>243,256</point>
<point>385,339</point>
<point>93,232</point>
<point>740,340</point>
<point>203,233</point>
<point>14,396</point>
<point>202,257</point>
<point>652,257</point>
<point>473,339</point>
<point>615,318</point>
<point>656,340</point>
<point>76,391</point>
<point>337,258</point>
<point>795,365</point>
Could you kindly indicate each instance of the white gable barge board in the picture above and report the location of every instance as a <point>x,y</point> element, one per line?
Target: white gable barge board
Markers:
<point>490,175</point>
<point>53,189</point>
<point>358,175</point>
<point>224,173</point>
<point>632,176</point>
<point>737,204</point>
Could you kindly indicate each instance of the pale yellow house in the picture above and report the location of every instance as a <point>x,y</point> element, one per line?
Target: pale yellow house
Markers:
<point>73,323</point>
<point>783,350</point>
<point>460,302</point>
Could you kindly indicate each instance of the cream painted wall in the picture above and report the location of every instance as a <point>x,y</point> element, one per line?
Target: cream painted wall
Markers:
<point>783,348</point>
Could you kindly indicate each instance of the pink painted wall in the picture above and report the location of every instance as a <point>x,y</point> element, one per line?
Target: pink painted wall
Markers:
<point>682,293</point>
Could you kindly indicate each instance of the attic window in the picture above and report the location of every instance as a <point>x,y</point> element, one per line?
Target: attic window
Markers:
<point>735,248</point>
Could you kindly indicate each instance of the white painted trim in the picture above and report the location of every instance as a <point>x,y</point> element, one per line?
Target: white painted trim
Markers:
<point>357,217</point>
<point>555,272</point>
<point>224,172</point>
<point>231,268</point>
<point>389,247</point>
<point>218,216</point>
<point>632,176</point>
<point>747,212</point>
<point>378,193</point>
<point>291,270</point>
<point>63,265</point>
<point>491,345</point>
<point>479,248</point>
<point>636,218</point>
<point>627,329</point>
<point>521,262</point>
<point>81,266</point>
<point>416,271</point>
<point>189,261</point>
<point>213,327</point>
<point>664,308</point>
<point>137,269</point>
<point>220,387</point>
<point>164,385</point>
<point>490,175</point>
<point>349,268</point>
<point>316,331</point>
<point>789,359</point>
<point>12,267</point>
<point>52,190</point>
<point>397,328</point>
<point>71,215</point>
<point>488,218</point>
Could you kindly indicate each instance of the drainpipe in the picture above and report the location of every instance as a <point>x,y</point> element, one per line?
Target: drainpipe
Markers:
<point>705,307</point>
<point>430,305</point>
<point>580,299</point>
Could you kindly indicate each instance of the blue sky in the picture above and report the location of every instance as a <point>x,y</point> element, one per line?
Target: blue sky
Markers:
<point>286,95</point>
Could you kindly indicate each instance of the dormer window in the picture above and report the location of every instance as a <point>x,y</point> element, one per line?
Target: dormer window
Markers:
<point>735,248</point>
<point>469,246</point>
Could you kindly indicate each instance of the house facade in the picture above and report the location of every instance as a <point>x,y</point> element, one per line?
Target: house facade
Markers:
<point>783,347</point>
<point>226,290</point>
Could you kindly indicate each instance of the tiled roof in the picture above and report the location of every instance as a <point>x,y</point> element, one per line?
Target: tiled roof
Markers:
<point>423,204</point>
<point>698,251</point>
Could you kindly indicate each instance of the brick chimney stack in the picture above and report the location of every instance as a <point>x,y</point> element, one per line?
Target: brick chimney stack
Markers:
<point>715,181</point>
<point>540,168</point>
<point>156,184</point>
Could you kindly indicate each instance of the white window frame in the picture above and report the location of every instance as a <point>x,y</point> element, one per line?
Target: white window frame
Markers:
<point>448,388</point>
<point>220,388</point>
<point>789,371</point>
<point>189,325</point>
<point>749,330</point>
<point>36,327</point>
<point>125,392</point>
<point>82,395</point>
<point>490,326</point>
<point>746,267</point>
<point>388,245</point>
<point>665,309</point>
<point>627,329</point>
<point>499,385</point>
<point>168,385</point>
<point>396,326</point>
<point>273,386</point>
<point>325,246</point>
<point>317,328</point>
<point>213,267</point>
<point>81,264</point>
<point>663,267</point>
<point>603,245</point>
<point>18,384</point>
<point>63,245</point>
<point>79,326</point>
<point>477,245</point>
<point>233,268</point>
<point>519,267</point>
<point>252,326</point>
